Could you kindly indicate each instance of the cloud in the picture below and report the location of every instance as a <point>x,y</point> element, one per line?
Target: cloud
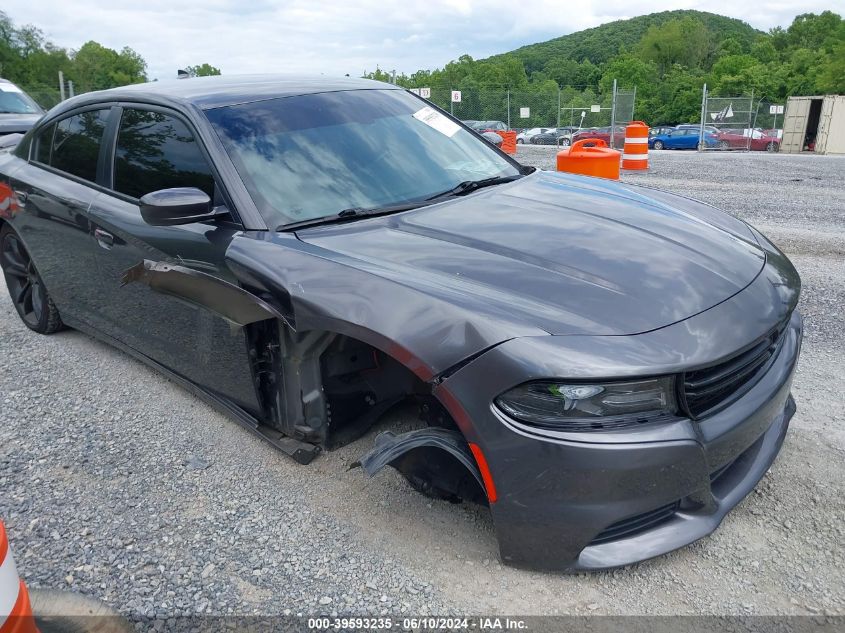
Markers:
<point>336,38</point>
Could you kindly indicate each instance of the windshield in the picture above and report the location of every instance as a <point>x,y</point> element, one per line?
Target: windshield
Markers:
<point>313,156</point>
<point>13,100</point>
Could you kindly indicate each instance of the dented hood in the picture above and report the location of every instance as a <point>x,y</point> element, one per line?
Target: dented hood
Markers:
<point>564,254</point>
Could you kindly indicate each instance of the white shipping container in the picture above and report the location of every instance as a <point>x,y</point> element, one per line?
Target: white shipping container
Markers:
<point>819,119</point>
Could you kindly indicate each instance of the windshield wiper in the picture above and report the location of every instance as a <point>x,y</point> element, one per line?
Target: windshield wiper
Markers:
<point>468,186</point>
<point>353,213</point>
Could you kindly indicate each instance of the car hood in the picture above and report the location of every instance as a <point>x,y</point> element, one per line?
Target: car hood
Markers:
<point>566,254</point>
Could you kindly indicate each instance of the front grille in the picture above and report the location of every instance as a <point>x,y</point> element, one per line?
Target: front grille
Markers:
<point>634,525</point>
<point>706,389</point>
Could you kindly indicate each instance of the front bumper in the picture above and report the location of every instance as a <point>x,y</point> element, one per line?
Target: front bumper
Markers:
<point>560,495</point>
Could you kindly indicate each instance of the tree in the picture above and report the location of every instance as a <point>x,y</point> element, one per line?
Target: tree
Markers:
<point>203,70</point>
<point>684,41</point>
<point>831,77</point>
<point>95,67</point>
<point>812,31</point>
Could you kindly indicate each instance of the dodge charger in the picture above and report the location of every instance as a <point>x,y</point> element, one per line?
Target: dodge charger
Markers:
<point>606,366</point>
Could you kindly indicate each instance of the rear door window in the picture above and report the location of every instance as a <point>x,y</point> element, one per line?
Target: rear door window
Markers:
<point>157,151</point>
<point>44,144</point>
<point>76,143</point>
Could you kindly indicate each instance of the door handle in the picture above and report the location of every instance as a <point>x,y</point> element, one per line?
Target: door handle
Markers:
<point>104,238</point>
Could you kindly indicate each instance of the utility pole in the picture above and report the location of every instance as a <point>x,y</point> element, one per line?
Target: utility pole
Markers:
<point>70,88</point>
<point>703,117</point>
<point>509,108</point>
<point>613,117</point>
<point>62,85</point>
<point>558,106</point>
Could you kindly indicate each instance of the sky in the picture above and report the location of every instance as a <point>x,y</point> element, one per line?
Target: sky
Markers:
<point>352,36</point>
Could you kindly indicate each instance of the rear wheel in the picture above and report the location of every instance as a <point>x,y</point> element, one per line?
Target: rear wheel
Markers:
<point>27,291</point>
<point>658,145</point>
<point>519,141</point>
<point>565,142</point>
<point>771,146</point>
<point>724,145</point>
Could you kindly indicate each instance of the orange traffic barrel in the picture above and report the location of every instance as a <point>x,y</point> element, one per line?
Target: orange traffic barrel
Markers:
<point>508,141</point>
<point>590,157</point>
<point>15,610</point>
<point>635,153</point>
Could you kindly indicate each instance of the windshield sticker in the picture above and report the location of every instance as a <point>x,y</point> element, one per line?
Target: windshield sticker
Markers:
<point>434,119</point>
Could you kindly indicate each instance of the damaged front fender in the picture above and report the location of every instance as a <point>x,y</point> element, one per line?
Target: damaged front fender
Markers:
<point>437,462</point>
<point>231,302</point>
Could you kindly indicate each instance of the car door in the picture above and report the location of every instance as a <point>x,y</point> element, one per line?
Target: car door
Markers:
<point>55,189</point>
<point>689,139</point>
<point>153,149</point>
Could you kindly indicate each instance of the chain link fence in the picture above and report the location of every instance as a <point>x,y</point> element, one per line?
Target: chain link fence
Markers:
<point>739,123</point>
<point>729,123</point>
<point>44,96</point>
<point>726,122</point>
<point>548,109</point>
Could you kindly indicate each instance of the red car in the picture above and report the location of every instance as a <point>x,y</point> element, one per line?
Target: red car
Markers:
<point>602,133</point>
<point>738,139</point>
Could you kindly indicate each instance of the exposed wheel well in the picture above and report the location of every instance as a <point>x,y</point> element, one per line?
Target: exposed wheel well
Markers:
<point>324,387</point>
<point>330,389</point>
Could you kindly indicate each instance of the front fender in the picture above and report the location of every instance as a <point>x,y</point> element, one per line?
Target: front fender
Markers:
<point>317,289</point>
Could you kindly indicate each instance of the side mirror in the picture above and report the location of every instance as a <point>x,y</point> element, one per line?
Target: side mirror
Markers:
<point>180,205</point>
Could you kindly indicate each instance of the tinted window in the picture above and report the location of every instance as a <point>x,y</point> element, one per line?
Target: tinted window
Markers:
<point>42,146</point>
<point>156,151</point>
<point>76,143</point>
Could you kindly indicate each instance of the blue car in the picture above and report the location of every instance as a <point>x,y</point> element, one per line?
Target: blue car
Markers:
<point>681,138</point>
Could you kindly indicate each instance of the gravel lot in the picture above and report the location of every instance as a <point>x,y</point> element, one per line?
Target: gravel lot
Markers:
<point>118,484</point>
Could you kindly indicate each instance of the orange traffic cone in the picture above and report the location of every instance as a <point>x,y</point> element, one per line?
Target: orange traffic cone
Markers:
<point>15,610</point>
<point>635,154</point>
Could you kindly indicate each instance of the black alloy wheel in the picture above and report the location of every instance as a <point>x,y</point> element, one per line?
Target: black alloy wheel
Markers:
<point>26,289</point>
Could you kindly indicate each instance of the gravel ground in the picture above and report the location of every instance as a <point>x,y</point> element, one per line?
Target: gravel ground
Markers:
<point>118,484</point>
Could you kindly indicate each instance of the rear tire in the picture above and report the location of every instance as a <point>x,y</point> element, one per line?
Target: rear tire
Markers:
<point>771,146</point>
<point>724,145</point>
<point>565,142</point>
<point>519,141</point>
<point>26,289</point>
<point>658,145</point>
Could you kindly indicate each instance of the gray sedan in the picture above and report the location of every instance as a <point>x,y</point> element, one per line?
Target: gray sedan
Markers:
<point>607,367</point>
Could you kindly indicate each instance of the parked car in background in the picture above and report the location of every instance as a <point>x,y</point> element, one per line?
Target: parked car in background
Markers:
<point>18,111</point>
<point>489,126</point>
<point>682,138</point>
<point>527,135</point>
<point>710,129</point>
<point>755,140</point>
<point>565,134</point>
<point>606,367</point>
<point>602,133</point>
<point>492,138</point>
<point>554,136</point>
<point>660,129</point>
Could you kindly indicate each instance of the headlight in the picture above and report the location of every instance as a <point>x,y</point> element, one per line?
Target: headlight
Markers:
<point>590,407</point>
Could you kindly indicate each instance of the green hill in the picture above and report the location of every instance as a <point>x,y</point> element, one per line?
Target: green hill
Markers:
<point>666,56</point>
<point>601,43</point>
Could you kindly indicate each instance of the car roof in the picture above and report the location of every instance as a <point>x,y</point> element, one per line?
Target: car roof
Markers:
<point>222,90</point>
